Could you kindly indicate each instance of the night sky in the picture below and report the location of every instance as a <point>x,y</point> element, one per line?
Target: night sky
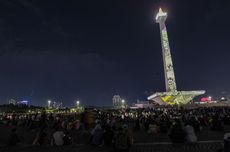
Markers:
<point>90,50</point>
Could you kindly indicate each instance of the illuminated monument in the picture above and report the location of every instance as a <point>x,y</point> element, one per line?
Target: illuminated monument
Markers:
<point>171,96</point>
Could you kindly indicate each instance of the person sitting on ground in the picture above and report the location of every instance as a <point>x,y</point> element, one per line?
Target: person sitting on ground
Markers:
<point>97,135</point>
<point>67,139</point>
<point>226,142</point>
<point>122,140</point>
<point>41,138</point>
<point>153,129</point>
<point>216,123</point>
<point>57,138</point>
<point>177,134</point>
<point>108,136</point>
<point>195,124</point>
<point>190,133</point>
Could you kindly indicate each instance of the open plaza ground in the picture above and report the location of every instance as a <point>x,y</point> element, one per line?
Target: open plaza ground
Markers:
<point>211,141</point>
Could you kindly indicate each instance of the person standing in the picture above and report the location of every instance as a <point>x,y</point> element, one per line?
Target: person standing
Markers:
<point>13,139</point>
<point>122,140</point>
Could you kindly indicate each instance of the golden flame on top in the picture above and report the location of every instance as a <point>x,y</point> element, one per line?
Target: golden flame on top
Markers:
<point>160,13</point>
<point>160,10</point>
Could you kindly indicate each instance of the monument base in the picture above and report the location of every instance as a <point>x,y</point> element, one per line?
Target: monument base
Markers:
<point>175,97</point>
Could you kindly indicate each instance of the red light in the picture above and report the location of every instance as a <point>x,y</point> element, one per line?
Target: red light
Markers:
<point>204,99</point>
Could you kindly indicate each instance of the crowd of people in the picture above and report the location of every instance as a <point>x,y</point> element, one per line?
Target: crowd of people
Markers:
<point>115,128</point>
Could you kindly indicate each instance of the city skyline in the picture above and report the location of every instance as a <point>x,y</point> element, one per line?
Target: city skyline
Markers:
<point>91,50</point>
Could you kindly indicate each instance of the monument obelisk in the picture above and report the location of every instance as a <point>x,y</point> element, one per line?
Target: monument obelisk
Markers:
<point>171,96</point>
<point>170,81</point>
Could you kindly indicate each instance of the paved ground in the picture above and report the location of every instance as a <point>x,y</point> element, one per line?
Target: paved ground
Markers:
<point>143,143</point>
<point>200,147</point>
<point>205,135</point>
<point>27,136</point>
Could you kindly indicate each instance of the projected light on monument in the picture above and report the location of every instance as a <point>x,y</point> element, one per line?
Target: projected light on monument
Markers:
<point>171,96</point>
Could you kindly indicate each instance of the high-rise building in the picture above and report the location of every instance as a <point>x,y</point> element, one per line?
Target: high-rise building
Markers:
<point>12,101</point>
<point>171,96</point>
<point>56,105</point>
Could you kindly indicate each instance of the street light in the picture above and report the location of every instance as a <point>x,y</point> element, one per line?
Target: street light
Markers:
<point>123,103</point>
<point>77,103</point>
<point>223,99</point>
<point>49,102</point>
<point>210,98</point>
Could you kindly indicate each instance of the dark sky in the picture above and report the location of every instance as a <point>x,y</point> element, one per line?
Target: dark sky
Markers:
<point>89,50</point>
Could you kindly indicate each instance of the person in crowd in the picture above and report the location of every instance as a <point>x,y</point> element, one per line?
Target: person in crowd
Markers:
<point>67,139</point>
<point>177,133</point>
<point>97,135</point>
<point>13,139</point>
<point>190,133</point>
<point>122,141</point>
<point>137,124</point>
<point>216,123</point>
<point>41,138</point>
<point>195,124</point>
<point>226,142</point>
<point>57,138</point>
<point>75,128</point>
<point>108,136</point>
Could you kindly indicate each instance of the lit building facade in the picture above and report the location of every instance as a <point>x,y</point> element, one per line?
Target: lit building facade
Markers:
<point>117,101</point>
<point>12,101</point>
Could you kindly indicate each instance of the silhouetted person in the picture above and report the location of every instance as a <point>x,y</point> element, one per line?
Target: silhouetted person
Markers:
<point>108,136</point>
<point>67,139</point>
<point>190,133</point>
<point>97,135</point>
<point>227,142</point>
<point>177,134</point>
<point>122,140</point>
<point>13,139</point>
<point>41,138</point>
<point>216,124</point>
<point>58,136</point>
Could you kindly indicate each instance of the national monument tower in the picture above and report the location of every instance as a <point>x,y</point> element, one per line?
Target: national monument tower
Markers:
<point>171,96</point>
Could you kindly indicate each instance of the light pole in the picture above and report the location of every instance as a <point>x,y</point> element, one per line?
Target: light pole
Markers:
<point>210,98</point>
<point>49,102</point>
<point>123,103</point>
<point>77,103</point>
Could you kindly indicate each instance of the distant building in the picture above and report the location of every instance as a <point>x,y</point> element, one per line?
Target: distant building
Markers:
<point>12,101</point>
<point>56,105</point>
<point>142,104</point>
<point>23,102</point>
<point>117,101</point>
